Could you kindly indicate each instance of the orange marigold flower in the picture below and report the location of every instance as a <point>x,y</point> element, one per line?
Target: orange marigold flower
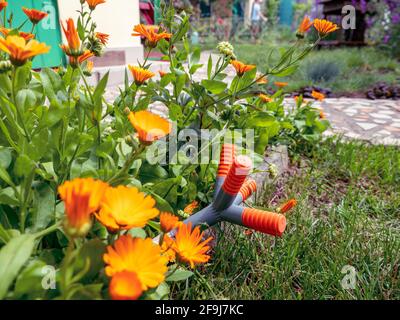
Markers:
<point>191,207</point>
<point>140,75</point>
<point>27,36</point>
<point>305,25</point>
<point>94,3</point>
<point>149,126</point>
<point>74,43</point>
<point>126,208</point>
<point>241,68</point>
<point>20,50</point>
<point>189,246</point>
<point>324,27</point>
<point>261,80</point>
<point>76,61</point>
<point>265,98</point>
<point>167,248</point>
<point>317,95</point>
<point>89,66</point>
<point>125,285</point>
<point>151,33</point>
<point>35,16</point>
<point>168,221</point>
<point>281,84</point>
<point>322,115</point>
<point>3,4</point>
<point>162,73</point>
<point>81,197</point>
<point>103,37</point>
<point>287,206</point>
<point>141,256</point>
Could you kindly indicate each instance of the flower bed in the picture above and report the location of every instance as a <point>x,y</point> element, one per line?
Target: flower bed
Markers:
<point>82,197</point>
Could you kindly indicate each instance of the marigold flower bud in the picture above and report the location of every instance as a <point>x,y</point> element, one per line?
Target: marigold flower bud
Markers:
<point>225,48</point>
<point>5,66</point>
<point>273,170</point>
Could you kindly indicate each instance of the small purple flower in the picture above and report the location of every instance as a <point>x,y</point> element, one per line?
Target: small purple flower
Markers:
<point>386,39</point>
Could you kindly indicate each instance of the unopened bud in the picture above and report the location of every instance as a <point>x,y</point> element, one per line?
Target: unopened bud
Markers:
<point>225,48</point>
<point>273,170</point>
<point>5,66</point>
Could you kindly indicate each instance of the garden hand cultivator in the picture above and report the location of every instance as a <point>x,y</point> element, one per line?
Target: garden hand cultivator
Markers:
<point>232,188</point>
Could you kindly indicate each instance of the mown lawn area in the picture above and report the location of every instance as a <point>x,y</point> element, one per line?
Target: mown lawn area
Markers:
<point>347,215</point>
<point>345,70</point>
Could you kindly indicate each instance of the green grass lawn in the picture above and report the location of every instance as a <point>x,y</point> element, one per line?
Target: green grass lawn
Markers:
<point>348,70</point>
<point>348,214</point>
<point>354,69</point>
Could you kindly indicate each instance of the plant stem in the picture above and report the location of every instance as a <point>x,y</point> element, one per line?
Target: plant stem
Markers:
<point>19,115</point>
<point>48,230</point>
<point>92,101</point>
<point>65,278</point>
<point>128,163</point>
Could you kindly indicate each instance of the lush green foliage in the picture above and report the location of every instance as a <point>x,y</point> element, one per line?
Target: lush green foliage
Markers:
<point>55,127</point>
<point>347,214</point>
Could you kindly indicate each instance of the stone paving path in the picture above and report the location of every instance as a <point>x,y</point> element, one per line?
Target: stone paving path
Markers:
<point>375,121</point>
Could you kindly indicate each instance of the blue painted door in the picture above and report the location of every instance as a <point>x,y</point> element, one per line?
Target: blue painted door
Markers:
<point>48,30</point>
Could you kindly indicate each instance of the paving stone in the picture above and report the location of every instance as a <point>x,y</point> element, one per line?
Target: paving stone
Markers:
<point>367,126</point>
<point>380,116</point>
<point>380,121</point>
<point>383,132</point>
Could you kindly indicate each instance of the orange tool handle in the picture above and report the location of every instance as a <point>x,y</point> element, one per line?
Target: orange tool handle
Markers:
<point>237,174</point>
<point>226,159</point>
<point>266,222</point>
<point>247,189</point>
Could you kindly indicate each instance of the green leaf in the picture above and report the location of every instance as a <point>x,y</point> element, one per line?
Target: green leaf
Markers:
<point>44,206</point>
<point>165,80</point>
<point>12,258</point>
<point>7,234</point>
<point>91,253</point>
<point>52,85</point>
<point>25,99</point>
<point>261,119</point>
<point>175,112</point>
<point>7,196</point>
<point>209,67</point>
<point>214,86</point>
<point>161,292</point>
<point>150,173</point>
<point>29,281</point>
<point>287,72</point>
<point>5,176</point>
<point>80,29</point>
<point>182,30</point>
<point>179,83</point>
<point>23,166</point>
<point>22,76</point>
<point>162,204</point>
<point>87,292</point>
<point>179,275</point>
<point>137,233</point>
<point>194,68</point>
<point>98,95</point>
<point>53,115</point>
